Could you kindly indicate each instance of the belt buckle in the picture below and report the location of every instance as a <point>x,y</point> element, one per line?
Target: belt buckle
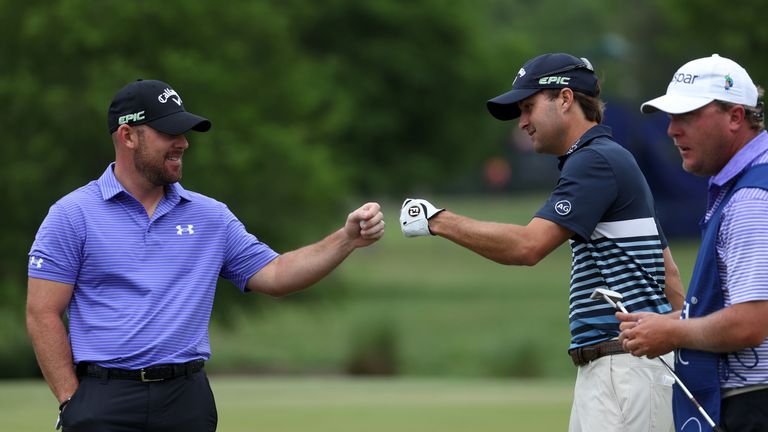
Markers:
<point>144,378</point>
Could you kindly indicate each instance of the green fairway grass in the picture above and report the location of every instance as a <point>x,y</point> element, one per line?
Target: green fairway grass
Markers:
<point>248,404</point>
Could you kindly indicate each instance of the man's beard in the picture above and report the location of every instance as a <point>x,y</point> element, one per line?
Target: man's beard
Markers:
<point>152,169</point>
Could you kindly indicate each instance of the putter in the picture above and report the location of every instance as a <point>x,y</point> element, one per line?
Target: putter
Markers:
<point>614,299</point>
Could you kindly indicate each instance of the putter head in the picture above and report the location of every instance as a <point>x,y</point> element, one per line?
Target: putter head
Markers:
<point>602,293</point>
<point>611,297</point>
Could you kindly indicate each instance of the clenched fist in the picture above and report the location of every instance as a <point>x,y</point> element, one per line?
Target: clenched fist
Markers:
<point>414,217</point>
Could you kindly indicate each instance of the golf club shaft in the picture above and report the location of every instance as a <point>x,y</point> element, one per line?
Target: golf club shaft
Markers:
<point>620,306</point>
<point>688,393</point>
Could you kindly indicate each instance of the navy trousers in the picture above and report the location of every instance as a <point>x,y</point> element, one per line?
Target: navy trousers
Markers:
<point>184,403</point>
<point>746,412</point>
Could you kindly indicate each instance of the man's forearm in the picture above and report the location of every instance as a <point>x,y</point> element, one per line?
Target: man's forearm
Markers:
<point>730,329</point>
<point>303,267</point>
<point>674,286</point>
<point>492,240</point>
<point>501,242</point>
<point>299,269</point>
<point>54,354</point>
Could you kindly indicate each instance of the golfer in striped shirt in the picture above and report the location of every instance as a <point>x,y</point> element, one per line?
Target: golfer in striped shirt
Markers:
<point>603,207</point>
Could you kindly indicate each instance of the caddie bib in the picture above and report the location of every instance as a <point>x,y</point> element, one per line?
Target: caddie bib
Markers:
<point>700,370</point>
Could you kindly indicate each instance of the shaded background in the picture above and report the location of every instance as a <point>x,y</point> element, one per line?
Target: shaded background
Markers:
<point>318,106</point>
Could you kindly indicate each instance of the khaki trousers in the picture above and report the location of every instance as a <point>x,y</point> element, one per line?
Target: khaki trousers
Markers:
<point>623,393</point>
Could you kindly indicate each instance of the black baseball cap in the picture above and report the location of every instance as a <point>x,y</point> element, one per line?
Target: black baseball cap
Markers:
<point>156,104</point>
<point>547,71</point>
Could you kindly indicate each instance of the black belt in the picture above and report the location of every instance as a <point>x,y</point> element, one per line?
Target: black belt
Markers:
<point>154,373</point>
<point>586,354</point>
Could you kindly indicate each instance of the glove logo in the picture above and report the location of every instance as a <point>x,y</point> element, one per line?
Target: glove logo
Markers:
<point>563,207</point>
<point>414,211</point>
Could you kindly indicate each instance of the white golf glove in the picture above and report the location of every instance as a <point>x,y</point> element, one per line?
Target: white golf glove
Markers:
<point>414,217</point>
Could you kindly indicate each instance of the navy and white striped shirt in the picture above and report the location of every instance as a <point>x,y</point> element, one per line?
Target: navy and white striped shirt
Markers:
<point>143,288</point>
<point>742,254</point>
<point>602,196</point>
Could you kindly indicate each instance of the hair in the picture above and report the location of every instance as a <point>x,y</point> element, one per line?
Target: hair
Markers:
<point>755,115</point>
<point>140,130</point>
<point>592,106</point>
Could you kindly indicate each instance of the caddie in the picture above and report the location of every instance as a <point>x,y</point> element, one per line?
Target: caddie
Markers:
<point>717,122</point>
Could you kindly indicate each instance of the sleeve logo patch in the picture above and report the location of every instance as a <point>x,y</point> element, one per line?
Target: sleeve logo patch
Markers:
<point>563,207</point>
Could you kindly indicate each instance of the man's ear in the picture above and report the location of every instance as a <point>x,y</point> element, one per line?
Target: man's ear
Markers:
<point>737,115</point>
<point>127,136</point>
<point>566,98</point>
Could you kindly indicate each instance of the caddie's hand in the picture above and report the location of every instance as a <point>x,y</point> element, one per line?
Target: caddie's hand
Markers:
<point>365,225</point>
<point>415,215</point>
<point>646,333</point>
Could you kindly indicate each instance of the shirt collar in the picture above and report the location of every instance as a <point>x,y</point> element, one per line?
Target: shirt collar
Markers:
<point>592,133</point>
<point>110,186</point>
<point>741,160</point>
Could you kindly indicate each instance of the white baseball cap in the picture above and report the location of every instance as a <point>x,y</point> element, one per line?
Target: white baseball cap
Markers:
<point>702,81</point>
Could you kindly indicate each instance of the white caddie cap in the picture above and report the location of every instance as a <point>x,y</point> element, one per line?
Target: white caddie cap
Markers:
<point>702,81</point>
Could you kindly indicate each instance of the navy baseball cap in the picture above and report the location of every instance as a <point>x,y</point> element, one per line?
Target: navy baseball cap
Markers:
<point>547,71</point>
<point>156,104</point>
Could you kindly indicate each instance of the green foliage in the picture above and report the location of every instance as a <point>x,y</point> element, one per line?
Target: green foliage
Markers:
<point>311,103</point>
<point>413,76</point>
<point>668,34</point>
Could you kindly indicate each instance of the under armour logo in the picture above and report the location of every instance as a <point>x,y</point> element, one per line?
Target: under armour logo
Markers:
<point>181,230</point>
<point>36,262</point>
<point>169,94</point>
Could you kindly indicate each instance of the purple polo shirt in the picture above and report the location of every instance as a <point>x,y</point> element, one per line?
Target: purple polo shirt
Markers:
<point>143,287</point>
<point>742,254</point>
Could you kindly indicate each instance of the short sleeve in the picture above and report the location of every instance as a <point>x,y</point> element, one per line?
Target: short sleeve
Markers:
<point>744,237</point>
<point>56,253</point>
<point>585,191</point>
<point>245,255</point>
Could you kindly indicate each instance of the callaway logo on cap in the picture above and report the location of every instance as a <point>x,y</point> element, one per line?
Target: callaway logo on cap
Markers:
<point>702,81</point>
<point>156,104</point>
<point>547,71</point>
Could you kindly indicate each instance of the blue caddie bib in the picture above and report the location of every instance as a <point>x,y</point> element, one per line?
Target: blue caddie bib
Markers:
<point>700,370</point>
